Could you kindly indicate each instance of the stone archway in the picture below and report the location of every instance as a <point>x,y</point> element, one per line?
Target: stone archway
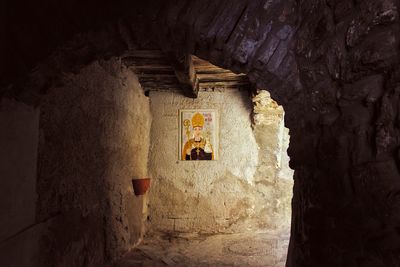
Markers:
<point>333,64</point>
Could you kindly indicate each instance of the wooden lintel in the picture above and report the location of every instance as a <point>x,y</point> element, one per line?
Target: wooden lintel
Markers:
<point>186,73</point>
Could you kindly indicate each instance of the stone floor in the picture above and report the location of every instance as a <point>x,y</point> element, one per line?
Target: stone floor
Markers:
<point>250,249</point>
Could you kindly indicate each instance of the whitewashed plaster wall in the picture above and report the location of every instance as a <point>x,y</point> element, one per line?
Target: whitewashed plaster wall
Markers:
<point>231,194</point>
<point>94,139</point>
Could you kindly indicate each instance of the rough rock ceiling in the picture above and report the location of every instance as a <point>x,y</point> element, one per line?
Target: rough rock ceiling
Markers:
<point>156,72</point>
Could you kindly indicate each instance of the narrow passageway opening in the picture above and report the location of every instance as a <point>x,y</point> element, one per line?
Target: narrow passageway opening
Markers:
<point>233,207</point>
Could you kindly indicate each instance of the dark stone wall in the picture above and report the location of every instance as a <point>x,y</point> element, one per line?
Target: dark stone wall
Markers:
<point>332,64</point>
<point>345,142</point>
<point>19,135</point>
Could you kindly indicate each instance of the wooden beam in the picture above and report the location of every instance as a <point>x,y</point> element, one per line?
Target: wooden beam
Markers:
<point>186,73</point>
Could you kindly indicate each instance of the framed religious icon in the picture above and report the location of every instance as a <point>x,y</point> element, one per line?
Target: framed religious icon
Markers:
<point>198,134</point>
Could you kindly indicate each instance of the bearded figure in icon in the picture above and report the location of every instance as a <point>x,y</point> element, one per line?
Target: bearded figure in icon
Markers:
<point>198,147</point>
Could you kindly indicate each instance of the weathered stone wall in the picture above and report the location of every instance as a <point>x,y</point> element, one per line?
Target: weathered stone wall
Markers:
<point>19,135</point>
<point>236,193</point>
<point>273,168</point>
<point>93,140</point>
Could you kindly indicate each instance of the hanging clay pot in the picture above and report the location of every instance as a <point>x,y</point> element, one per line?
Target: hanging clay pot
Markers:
<point>140,186</point>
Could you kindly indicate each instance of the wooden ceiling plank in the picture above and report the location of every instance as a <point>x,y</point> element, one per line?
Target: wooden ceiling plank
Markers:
<point>185,72</point>
<point>158,70</point>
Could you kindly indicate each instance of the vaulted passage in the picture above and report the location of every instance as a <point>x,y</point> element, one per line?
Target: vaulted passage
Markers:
<point>93,95</point>
<point>240,197</point>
